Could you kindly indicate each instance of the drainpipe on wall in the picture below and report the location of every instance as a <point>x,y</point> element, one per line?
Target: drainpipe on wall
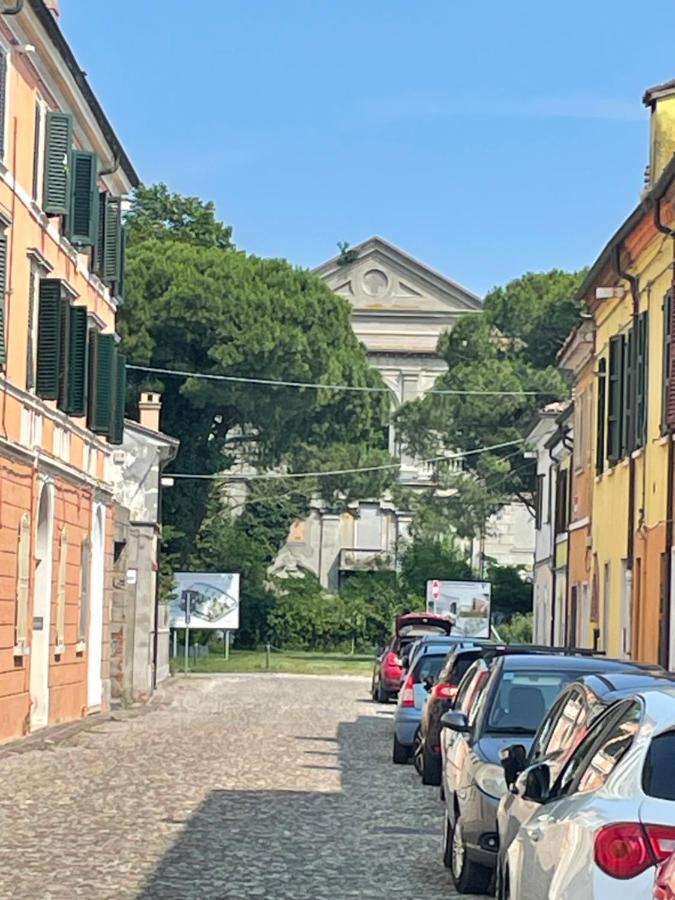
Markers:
<point>665,650</point>
<point>13,10</point>
<point>569,445</point>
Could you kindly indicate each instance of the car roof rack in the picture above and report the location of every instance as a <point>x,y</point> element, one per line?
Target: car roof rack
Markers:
<point>537,649</point>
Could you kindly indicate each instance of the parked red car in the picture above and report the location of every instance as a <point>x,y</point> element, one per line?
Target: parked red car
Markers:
<point>388,669</point>
<point>664,887</point>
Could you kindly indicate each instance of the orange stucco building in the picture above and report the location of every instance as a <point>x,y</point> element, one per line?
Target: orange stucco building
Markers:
<point>63,173</point>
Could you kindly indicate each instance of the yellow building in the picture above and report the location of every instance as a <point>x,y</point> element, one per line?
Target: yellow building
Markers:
<point>628,292</point>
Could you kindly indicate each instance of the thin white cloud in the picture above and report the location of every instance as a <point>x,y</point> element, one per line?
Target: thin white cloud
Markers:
<point>421,108</point>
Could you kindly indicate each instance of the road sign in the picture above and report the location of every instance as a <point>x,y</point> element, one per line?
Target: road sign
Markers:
<point>435,589</point>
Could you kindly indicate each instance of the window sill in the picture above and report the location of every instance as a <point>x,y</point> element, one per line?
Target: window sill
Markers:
<point>636,454</point>
<point>662,440</point>
<point>68,249</point>
<point>624,462</point>
<point>80,646</point>
<point>59,650</point>
<point>21,650</point>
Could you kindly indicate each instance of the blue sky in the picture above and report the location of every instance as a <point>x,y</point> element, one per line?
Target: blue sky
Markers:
<point>487,139</point>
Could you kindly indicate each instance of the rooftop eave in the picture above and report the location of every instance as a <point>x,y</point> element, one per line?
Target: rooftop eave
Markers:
<point>602,267</point>
<point>50,25</point>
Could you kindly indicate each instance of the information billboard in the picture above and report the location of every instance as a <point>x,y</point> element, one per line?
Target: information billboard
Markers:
<point>210,599</point>
<point>467,602</point>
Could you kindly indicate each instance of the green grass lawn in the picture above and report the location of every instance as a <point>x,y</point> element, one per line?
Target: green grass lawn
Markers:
<point>289,661</point>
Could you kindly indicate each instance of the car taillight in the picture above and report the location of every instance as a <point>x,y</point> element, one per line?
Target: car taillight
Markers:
<point>443,691</point>
<point>626,849</point>
<point>662,840</point>
<point>622,850</point>
<point>407,696</point>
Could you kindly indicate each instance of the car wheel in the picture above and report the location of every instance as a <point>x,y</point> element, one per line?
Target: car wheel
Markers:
<point>417,753</point>
<point>400,753</point>
<point>447,841</point>
<point>503,887</point>
<point>431,768</point>
<point>382,695</point>
<point>469,877</point>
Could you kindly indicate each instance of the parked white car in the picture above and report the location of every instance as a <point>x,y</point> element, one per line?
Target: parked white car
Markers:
<point>598,832</point>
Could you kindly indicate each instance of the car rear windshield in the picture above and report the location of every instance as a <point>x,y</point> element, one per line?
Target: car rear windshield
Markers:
<point>418,629</point>
<point>461,665</point>
<point>429,666</point>
<point>522,700</point>
<point>658,774</point>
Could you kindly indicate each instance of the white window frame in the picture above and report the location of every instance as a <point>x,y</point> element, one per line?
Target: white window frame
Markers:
<point>39,174</point>
<point>7,50</point>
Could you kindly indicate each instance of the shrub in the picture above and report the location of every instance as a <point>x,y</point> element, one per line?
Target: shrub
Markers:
<point>518,630</point>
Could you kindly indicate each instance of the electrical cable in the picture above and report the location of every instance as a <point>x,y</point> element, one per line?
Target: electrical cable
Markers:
<point>280,476</point>
<point>270,382</point>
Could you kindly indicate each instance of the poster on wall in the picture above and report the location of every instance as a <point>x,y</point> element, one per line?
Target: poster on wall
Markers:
<point>467,602</point>
<point>210,599</point>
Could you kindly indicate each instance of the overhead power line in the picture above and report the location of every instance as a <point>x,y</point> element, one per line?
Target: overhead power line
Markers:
<point>282,476</point>
<point>364,389</point>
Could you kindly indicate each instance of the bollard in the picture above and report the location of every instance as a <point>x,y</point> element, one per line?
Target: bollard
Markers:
<point>268,648</point>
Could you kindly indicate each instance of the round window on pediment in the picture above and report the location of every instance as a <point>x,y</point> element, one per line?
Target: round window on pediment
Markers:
<point>375,282</point>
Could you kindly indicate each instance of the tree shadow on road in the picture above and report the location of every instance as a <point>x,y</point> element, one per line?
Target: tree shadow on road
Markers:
<point>376,837</point>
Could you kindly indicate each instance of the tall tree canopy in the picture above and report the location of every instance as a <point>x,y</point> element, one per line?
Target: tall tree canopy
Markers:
<point>196,304</point>
<point>510,347</point>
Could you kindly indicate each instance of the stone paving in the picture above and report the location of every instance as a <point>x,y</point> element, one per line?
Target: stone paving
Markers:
<point>241,787</point>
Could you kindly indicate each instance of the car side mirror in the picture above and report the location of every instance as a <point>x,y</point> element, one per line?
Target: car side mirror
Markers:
<point>428,682</point>
<point>514,760</point>
<point>455,721</point>
<point>534,784</point>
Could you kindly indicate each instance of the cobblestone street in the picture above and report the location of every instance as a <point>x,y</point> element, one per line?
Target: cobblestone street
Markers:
<point>237,786</point>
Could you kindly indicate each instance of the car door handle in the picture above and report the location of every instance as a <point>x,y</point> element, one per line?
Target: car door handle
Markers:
<point>535,834</point>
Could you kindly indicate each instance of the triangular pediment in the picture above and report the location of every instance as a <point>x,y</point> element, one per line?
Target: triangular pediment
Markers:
<point>377,275</point>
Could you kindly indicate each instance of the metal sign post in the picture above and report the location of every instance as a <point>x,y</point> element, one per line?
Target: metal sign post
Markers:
<point>227,644</point>
<point>188,601</point>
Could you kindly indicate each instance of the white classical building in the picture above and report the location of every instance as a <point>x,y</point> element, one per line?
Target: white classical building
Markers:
<point>401,307</point>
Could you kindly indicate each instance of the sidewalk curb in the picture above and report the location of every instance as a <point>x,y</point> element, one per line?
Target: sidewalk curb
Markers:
<point>51,736</point>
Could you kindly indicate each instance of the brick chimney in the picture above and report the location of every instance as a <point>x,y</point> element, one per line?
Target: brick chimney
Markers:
<point>660,99</point>
<point>53,7</point>
<point>149,408</point>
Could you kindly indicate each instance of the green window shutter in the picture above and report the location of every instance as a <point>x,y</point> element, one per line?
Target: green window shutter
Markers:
<point>614,406</point>
<point>628,397</point>
<point>3,289</point>
<point>83,217</point>
<point>62,399</point>
<point>50,336</point>
<point>102,406</point>
<point>59,140</point>
<point>91,375</point>
<point>99,247</point>
<point>642,368</point>
<point>601,413</point>
<point>112,250</point>
<point>76,400</point>
<point>116,435</point>
<point>123,263</point>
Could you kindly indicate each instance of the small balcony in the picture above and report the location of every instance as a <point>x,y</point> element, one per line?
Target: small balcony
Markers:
<point>353,560</point>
